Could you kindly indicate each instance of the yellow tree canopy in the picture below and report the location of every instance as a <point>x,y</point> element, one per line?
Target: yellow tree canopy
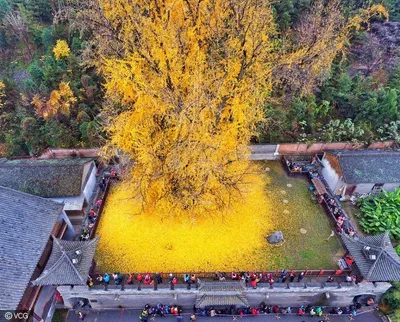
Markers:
<point>191,77</point>
<point>61,49</point>
<point>194,79</point>
<point>60,101</point>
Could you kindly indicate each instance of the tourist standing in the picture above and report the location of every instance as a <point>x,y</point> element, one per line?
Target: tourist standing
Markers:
<point>292,276</point>
<point>102,186</point>
<point>158,278</point>
<point>89,282</point>
<point>139,278</point>
<point>193,278</point>
<point>271,282</point>
<point>171,277</point>
<point>106,278</point>
<point>81,316</point>
<point>186,278</point>
<point>129,280</point>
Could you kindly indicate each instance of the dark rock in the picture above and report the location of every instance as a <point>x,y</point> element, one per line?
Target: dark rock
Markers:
<point>275,238</point>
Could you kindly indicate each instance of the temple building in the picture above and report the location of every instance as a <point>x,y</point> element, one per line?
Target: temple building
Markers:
<point>28,224</point>
<point>70,181</point>
<point>349,172</point>
<point>374,256</point>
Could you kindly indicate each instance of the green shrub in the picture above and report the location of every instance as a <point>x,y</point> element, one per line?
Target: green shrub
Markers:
<point>47,38</point>
<point>381,213</point>
<point>36,72</point>
<point>391,299</point>
<point>397,249</point>
<point>59,316</point>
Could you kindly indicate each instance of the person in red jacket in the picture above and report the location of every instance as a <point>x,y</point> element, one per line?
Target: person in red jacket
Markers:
<point>193,278</point>
<point>147,279</point>
<point>139,278</point>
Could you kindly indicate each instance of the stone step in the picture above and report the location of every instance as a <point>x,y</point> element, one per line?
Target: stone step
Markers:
<point>212,300</point>
<point>211,287</point>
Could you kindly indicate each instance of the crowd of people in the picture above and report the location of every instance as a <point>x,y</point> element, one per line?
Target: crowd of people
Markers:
<point>91,215</point>
<point>162,310</point>
<point>299,166</point>
<point>146,279</point>
<point>251,279</point>
<point>176,310</point>
<point>263,308</point>
<point>343,225</point>
<point>89,224</point>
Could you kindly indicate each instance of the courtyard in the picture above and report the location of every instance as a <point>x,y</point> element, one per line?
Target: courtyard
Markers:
<point>234,240</point>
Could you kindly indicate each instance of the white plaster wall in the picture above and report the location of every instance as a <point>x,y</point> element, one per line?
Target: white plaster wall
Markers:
<point>71,203</point>
<point>330,175</point>
<point>364,188</point>
<point>91,183</point>
<point>390,186</point>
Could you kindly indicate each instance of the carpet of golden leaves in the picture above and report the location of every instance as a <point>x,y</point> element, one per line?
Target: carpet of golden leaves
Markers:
<point>134,242</point>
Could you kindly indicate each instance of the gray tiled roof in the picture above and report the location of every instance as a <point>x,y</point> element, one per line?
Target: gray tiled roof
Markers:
<point>60,269</point>
<point>369,166</point>
<point>45,178</point>
<point>26,223</point>
<point>206,300</point>
<point>386,267</point>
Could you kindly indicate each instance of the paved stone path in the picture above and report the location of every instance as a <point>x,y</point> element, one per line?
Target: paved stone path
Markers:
<point>125,315</point>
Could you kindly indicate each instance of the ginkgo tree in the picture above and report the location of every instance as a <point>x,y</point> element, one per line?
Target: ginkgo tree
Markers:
<point>61,49</point>
<point>187,80</point>
<point>60,102</point>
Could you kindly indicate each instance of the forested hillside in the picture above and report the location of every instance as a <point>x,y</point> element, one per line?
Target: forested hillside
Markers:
<point>51,95</point>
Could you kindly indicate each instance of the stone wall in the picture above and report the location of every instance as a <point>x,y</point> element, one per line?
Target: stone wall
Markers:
<point>330,295</point>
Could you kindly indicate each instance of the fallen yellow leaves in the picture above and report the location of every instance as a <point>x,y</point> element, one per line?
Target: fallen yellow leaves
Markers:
<point>133,241</point>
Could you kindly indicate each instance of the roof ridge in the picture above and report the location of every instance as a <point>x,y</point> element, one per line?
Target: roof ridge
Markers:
<point>50,270</point>
<point>57,241</point>
<point>358,152</point>
<point>82,246</point>
<point>53,268</point>
<point>359,240</point>
<point>74,268</point>
<point>371,270</point>
<point>66,260</point>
